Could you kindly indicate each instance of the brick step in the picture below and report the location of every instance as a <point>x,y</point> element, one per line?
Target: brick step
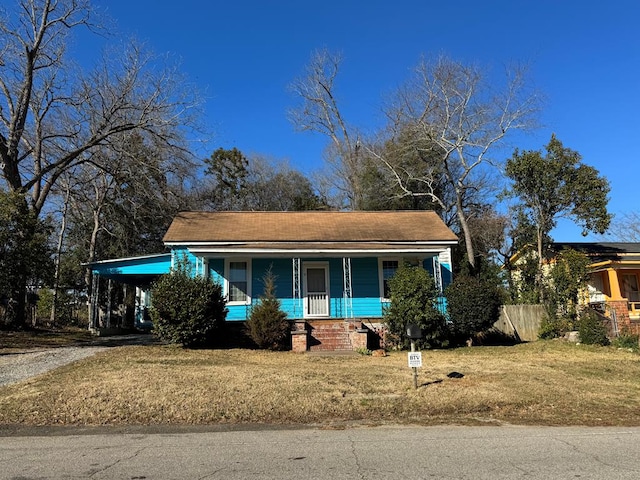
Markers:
<point>315,333</point>
<point>330,348</point>
<point>339,328</point>
<point>337,340</point>
<point>330,333</point>
<point>330,340</point>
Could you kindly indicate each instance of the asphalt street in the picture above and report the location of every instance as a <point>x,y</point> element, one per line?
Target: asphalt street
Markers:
<point>503,452</point>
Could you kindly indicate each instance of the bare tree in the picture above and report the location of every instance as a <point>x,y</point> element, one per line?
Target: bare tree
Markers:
<point>451,110</point>
<point>318,111</point>
<point>53,116</point>
<point>626,228</point>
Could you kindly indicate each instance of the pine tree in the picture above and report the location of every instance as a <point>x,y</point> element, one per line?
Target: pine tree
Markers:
<point>267,325</point>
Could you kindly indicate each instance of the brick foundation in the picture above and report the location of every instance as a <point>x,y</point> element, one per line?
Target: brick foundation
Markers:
<point>360,338</point>
<point>299,337</point>
<point>622,313</point>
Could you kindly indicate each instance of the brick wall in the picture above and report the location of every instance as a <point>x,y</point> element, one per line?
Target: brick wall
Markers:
<point>622,313</point>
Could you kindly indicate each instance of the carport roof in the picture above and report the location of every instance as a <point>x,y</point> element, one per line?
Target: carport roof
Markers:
<point>140,270</point>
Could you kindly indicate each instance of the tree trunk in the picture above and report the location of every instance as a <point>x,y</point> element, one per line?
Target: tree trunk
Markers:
<point>56,273</point>
<point>16,314</point>
<point>464,226</point>
<point>88,277</point>
<point>539,273</point>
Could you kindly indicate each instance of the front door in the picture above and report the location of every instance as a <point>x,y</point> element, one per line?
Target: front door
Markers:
<point>316,293</point>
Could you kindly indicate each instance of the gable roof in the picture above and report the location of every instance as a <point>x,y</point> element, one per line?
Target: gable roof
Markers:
<point>310,227</point>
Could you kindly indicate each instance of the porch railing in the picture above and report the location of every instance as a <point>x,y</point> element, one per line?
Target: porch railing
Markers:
<point>317,303</point>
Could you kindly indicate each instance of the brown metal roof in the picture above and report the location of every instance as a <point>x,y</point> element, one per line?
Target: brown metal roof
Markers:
<point>321,226</point>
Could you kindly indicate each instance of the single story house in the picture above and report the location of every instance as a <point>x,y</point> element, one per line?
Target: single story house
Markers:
<point>331,267</point>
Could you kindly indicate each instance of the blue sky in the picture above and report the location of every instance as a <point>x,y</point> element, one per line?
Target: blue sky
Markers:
<point>584,57</point>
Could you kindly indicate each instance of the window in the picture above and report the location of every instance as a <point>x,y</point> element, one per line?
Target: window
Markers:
<point>238,282</point>
<point>387,269</point>
<point>630,287</point>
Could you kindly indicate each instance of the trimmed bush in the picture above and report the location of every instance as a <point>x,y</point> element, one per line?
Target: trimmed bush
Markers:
<point>187,310</point>
<point>413,300</point>
<point>592,329</point>
<point>267,324</point>
<point>473,305</point>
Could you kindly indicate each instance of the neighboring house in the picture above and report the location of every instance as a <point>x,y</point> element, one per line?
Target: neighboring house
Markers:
<point>332,268</point>
<point>614,279</point>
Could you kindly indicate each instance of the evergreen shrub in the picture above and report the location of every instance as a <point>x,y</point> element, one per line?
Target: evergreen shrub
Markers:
<point>64,308</point>
<point>267,324</point>
<point>413,300</point>
<point>187,310</point>
<point>592,330</point>
<point>473,305</point>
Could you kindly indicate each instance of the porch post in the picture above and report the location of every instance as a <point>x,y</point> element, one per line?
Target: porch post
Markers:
<point>614,284</point>
<point>108,316</point>
<point>347,287</point>
<point>437,273</point>
<point>297,289</point>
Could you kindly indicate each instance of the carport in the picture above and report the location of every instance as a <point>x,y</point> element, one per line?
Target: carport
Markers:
<point>137,272</point>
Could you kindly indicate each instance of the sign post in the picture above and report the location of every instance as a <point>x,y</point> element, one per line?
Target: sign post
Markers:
<point>414,332</point>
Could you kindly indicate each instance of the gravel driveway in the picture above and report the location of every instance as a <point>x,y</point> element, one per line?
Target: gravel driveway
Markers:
<point>15,367</point>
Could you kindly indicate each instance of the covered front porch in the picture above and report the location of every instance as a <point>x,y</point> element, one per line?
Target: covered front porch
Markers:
<point>614,285</point>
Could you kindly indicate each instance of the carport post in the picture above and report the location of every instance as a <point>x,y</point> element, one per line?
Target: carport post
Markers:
<point>93,301</point>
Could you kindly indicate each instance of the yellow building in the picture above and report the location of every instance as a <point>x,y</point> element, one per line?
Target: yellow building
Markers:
<point>614,279</point>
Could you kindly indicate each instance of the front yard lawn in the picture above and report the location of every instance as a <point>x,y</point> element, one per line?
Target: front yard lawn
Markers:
<point>540,383</point>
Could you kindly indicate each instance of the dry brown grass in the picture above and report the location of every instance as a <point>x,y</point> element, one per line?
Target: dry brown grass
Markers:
<point>546,383</point>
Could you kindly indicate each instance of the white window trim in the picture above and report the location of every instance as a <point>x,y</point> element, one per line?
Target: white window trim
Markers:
<point>381,274</point>
<point>227,273</point>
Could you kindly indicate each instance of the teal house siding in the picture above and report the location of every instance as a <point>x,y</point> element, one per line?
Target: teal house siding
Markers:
<point>365,278</point>
<point>366,300</point>
<point>216,270</point>
<point>445,270</point>
<point>298,248</point>
<point>366,287</point>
